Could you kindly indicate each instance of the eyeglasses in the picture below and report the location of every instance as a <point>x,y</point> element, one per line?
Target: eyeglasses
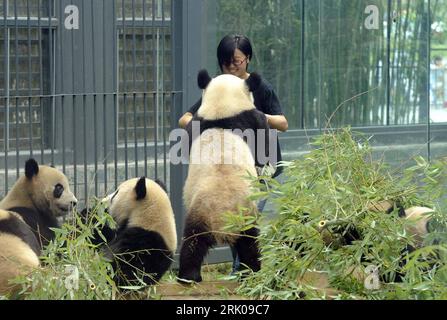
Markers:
<point>237,63</point>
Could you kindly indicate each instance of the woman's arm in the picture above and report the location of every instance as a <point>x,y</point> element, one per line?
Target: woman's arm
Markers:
<point>185,119</point>
<point>278,122</point>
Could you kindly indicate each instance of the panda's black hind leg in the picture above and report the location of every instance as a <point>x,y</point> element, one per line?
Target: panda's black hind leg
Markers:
<point>138,253</point>
<point>248,250</point>
<point>197,241</point>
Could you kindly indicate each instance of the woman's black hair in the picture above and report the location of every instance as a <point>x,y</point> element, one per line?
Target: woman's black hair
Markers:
<point>229,43</point>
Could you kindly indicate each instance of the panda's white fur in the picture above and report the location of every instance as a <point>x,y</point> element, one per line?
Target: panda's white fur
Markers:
<point>225,97</point>
<point>37,193</point>
<point>219,188</point>
<point>146,238</point>
<point>416,225</point>
<point>39,197</point>
<point>17,256</point>
<point>220,182</point>
<point>418,218</point>
<point>152,213</point>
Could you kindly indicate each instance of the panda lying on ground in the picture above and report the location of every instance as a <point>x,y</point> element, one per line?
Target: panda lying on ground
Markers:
<point>27,213</point>
<point>143,245</point>
<point>417,228</point>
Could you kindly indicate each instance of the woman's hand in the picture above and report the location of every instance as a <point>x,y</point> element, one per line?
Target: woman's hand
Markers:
<point>184,120</point>
<point>278,122</point>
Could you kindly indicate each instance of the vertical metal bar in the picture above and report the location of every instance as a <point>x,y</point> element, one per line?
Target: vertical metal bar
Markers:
<point>52,82</point>
<point>155,87</point>
<point>302,60</point>
<point>388,67</point>
<point>145,88</point>
<point>84,125</point>
<point>42,124</point>
<point>165,138</point>
<point>62,102</point>
<point>17,131</point>
<point>124,52</point>
<point>429,19</point>
<point>177,172</point>
<point>115,136</point>
<point>134,62</point>
<point>116,87</point>
<point>16,44</point>
<point>75,170</point>
<point>104,96</point>
<point>126,155</point>
<point>84,106</point>
<point>154,102</point>
<point>62,89</point>
<point>145,132</point>
<point>30,93</point>
<point>134,46</point>
<point>7,87</point>
<point>135,133</point>
<point>320,21</point>
<point>163,102</point>
<point>95,111</point>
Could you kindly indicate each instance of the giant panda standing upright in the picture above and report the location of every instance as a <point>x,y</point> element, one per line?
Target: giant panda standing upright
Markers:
<point>219,182</point>
<point>27,213</point>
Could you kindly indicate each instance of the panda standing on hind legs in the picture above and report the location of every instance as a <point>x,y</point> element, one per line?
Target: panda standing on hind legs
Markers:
<point>214,185</point>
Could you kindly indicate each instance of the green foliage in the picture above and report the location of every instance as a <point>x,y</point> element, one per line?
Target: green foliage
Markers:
<point>327,193</point>
<point>72,267</point>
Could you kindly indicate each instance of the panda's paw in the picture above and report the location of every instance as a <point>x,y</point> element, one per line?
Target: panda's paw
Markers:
<point>189,280</point>
<point>185,281</point>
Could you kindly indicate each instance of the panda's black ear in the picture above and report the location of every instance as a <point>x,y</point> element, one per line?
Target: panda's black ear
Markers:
<point>253,81</point>
<point>140,188</point>
<point>203,79</point>
<point>31,168</point>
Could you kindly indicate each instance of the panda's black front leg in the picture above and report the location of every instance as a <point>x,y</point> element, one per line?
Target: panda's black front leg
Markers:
<point>248,250</point>
<point>197,241</point>
<point>90,219</point>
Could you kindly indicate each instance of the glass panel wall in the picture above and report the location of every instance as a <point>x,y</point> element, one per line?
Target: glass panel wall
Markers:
<point>367,64</point>
<point>438,77</point>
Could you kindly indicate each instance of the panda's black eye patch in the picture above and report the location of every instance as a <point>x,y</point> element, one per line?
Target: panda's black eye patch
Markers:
<point>58,190</point>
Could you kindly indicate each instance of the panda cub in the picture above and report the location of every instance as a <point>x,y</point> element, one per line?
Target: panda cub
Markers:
<point>419,219</point>
<point>145,241</point>
<point>219,182</point>
<point>27,213</point>
<point>40,197</point>
<point>418,225</point>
